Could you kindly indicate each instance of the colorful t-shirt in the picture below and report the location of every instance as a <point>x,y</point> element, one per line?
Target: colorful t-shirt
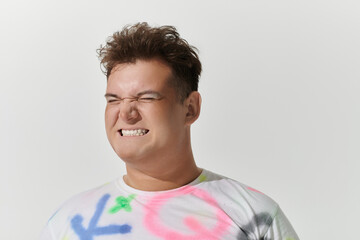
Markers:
<point>212,207</point>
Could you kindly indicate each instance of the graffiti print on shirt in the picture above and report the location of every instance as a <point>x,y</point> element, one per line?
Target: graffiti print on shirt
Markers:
<point>122,203</point>
<point>94,230</point>
<point>196,230</point>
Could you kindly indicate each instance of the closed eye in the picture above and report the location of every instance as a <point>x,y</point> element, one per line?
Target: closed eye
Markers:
<point>147,99</point>
<point>112,100</point>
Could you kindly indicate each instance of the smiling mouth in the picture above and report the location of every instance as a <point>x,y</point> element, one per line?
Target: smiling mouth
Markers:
<point>133,132</point>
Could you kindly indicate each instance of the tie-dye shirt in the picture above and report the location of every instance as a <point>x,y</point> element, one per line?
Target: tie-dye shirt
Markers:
<point>212,207</point>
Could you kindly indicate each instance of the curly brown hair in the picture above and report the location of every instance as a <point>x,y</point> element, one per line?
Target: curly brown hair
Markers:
<point>140,41</point>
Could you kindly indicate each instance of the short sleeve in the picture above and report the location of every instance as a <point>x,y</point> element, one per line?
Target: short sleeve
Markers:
<point>281,228</point>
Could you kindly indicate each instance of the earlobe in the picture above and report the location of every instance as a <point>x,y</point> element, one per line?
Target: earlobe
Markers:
<point>193,104</point>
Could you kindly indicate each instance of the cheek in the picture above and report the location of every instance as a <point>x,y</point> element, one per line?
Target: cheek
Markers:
<point>169,120</point>
<point>110,117</point>
<point>177,116</point>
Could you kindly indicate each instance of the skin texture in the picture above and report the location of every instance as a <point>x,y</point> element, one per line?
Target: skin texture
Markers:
<point>162,159</point>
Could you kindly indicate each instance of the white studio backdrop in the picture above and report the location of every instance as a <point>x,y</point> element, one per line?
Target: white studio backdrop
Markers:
<point>280,88</point>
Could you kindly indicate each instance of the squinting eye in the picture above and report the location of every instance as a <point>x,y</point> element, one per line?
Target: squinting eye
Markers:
<point>111,100</point>
<point>146,99</point>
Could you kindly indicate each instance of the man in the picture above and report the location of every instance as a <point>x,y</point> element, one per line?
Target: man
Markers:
<point>152,101</point>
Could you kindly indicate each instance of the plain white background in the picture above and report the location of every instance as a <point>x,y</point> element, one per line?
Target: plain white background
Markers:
<point>280,88</point>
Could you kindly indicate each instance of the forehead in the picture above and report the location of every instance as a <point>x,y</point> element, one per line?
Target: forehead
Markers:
<point>133,77</point>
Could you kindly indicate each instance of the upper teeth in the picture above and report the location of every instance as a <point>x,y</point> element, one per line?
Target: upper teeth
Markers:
<point>136,132</point>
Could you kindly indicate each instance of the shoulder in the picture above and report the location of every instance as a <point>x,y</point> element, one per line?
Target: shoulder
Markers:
<point>247,207</point>
<point>82,202</point>
<point>88,197</point>
<point>237,192</point>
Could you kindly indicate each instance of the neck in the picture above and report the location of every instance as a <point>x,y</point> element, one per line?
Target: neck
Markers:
<point>162,178</point>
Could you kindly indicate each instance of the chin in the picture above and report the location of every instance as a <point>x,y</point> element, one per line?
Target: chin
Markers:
<point>129,156</point>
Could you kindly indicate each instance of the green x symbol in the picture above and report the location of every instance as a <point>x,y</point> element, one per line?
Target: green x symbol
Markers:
<point>122,203</point>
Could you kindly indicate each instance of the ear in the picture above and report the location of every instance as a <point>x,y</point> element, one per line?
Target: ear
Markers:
<point>193,106</point>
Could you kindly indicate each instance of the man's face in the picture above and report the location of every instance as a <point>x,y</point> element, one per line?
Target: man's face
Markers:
<point>143,118</point>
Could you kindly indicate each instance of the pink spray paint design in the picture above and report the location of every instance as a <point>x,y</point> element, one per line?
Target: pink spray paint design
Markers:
<point>200,232</point>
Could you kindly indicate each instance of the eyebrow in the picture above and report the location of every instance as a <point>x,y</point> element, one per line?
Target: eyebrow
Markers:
<point>137,95</point>
<point>111,95</point>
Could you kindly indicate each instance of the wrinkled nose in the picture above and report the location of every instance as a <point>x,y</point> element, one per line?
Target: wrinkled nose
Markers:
<point>128,111</point>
